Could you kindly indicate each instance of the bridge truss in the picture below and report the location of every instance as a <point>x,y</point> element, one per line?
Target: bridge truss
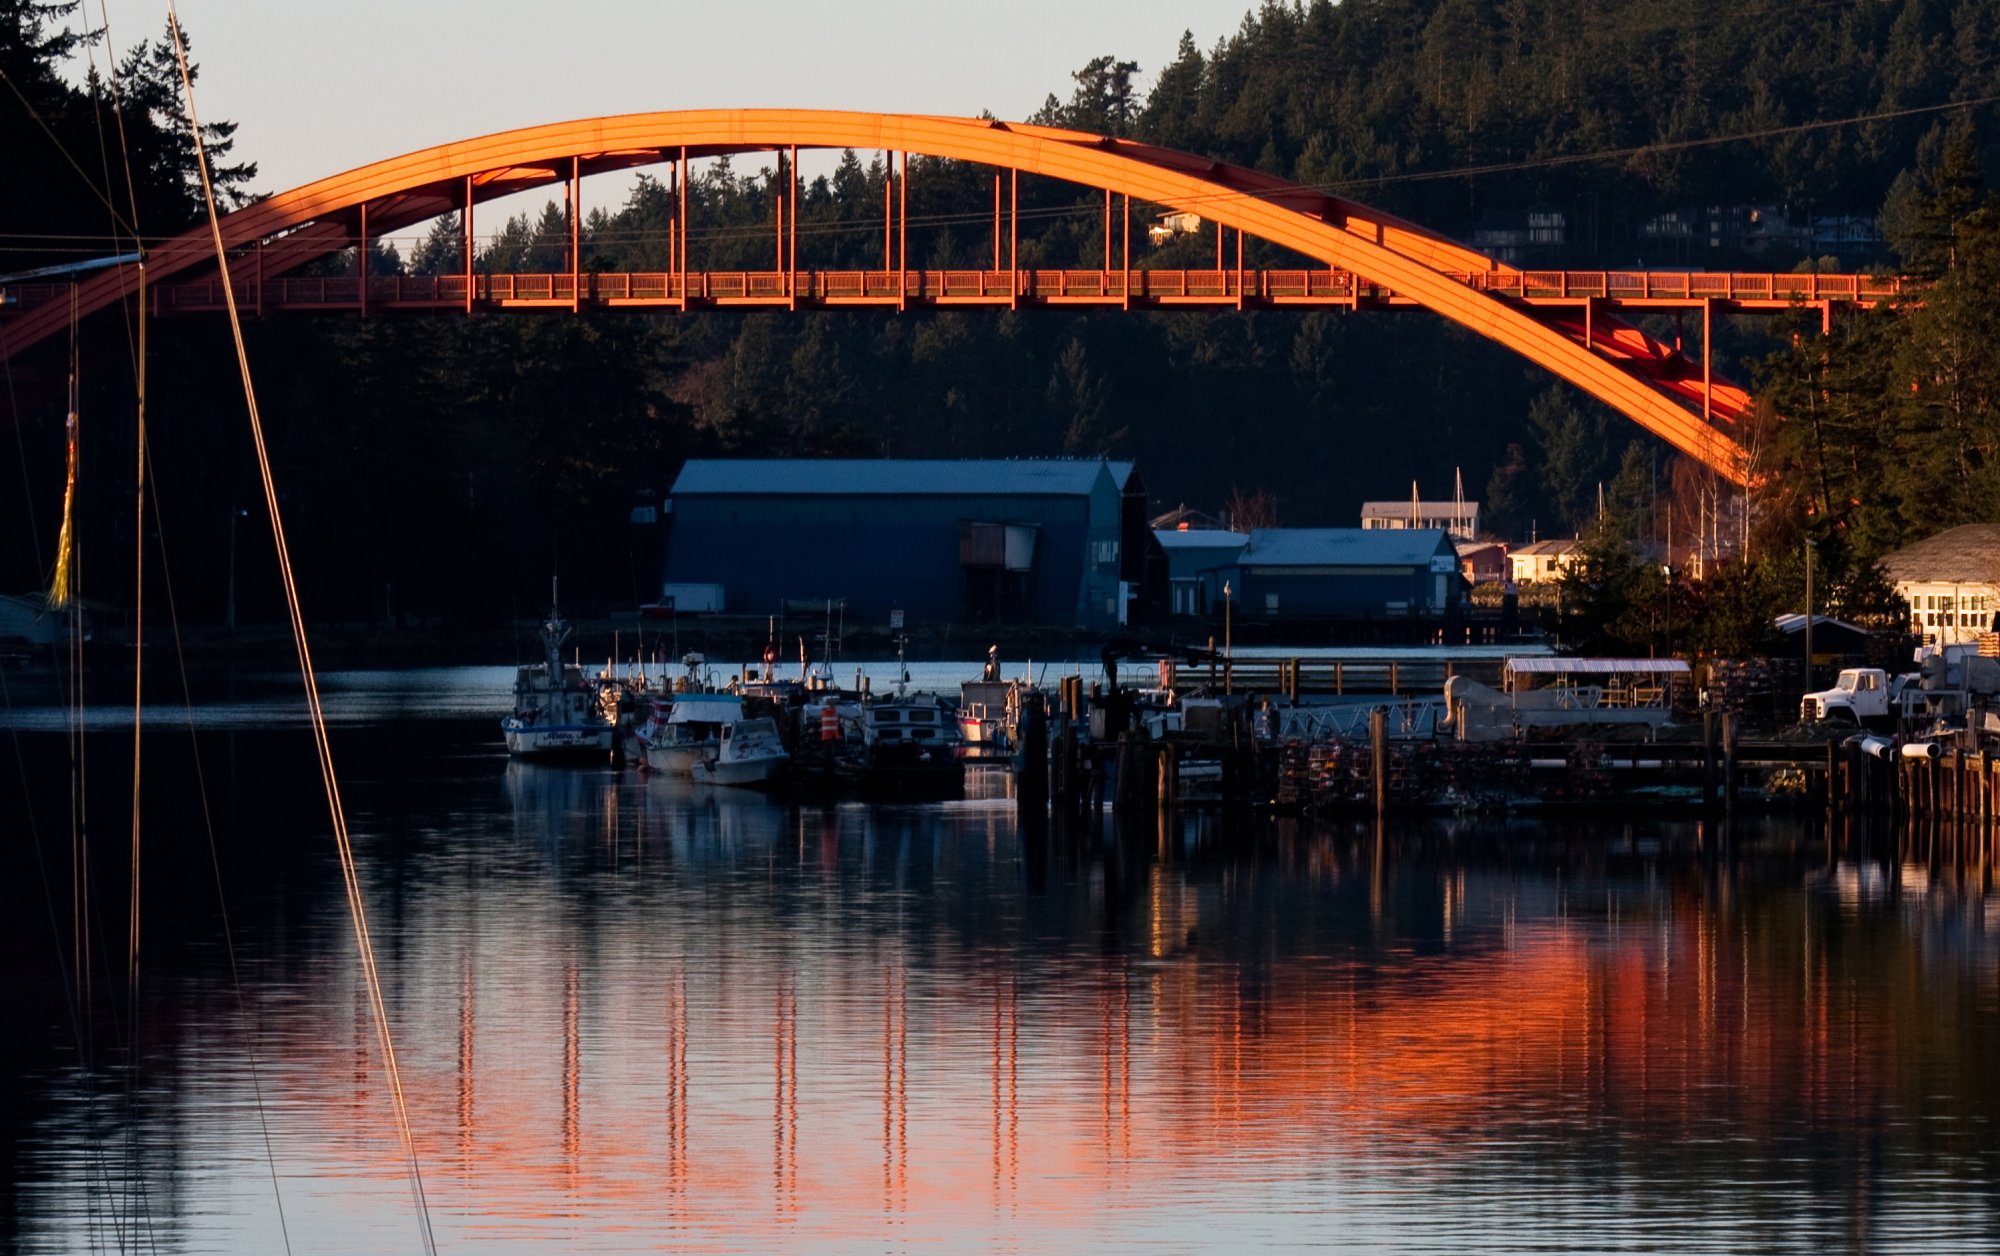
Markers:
<point>1567,321</point>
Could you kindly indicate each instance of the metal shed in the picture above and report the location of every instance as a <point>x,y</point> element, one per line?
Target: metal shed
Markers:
<point>1039,541</point>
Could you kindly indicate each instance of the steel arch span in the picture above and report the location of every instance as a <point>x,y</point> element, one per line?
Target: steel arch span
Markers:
<point>1649,382</point>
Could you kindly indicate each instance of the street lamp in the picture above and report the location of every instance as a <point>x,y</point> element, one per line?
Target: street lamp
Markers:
<point>1227,654</point>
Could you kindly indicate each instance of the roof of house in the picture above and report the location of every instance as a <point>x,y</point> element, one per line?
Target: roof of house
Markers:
<point>1316,547</point>
<point>1969,554</point>
<point>1401,509</point>
<point>1187,514</point>
<point>1026,477</point>
<point>1201,538</point>
<point>1796,622</point>
<point>1539,548</point>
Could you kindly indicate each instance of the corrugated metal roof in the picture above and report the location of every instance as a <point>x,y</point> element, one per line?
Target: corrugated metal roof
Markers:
<point>1320,547</point>
<point>1561,666</point>
<point>1201,538</point>
<point>1964,555</point>
<point>790,477</point>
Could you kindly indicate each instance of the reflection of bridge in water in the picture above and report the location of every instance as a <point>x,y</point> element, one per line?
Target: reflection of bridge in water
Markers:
<point>706,1011</point>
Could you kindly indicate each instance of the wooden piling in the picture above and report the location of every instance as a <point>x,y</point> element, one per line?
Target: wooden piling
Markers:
<point>1031,782</point>
<point>1729,760</point>
<point>1985,790</point>
<point>1378,747</point>
<point>1709,759</point>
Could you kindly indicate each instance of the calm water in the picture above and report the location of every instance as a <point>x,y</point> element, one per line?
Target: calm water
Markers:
<point>632,1015</point>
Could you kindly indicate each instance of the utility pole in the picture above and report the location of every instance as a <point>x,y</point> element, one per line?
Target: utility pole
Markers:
<point>1811,548</point>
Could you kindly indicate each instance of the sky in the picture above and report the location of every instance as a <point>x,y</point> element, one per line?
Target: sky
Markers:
<point>318,87</point>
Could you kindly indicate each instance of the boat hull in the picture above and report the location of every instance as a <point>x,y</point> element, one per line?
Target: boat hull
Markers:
<point>676,760</point>
<point>560,741</point>
<point>746,773</point>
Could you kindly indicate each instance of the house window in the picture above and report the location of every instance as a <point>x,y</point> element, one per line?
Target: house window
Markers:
<point>1106,551</point>
<point>1270,603</point>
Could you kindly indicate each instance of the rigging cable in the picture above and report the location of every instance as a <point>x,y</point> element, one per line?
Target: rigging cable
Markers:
<point>146,472</point>
<point>349,872</point>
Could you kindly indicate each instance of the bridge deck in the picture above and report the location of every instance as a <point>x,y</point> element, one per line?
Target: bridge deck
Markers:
<point>1141,289</point>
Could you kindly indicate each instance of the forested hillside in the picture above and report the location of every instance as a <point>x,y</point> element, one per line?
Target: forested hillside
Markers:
<point>443,465</point>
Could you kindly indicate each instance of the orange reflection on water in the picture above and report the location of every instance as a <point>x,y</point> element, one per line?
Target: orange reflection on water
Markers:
<point>834,1092</point>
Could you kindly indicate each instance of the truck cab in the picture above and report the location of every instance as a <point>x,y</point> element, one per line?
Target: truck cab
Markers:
<point>1860,698</point>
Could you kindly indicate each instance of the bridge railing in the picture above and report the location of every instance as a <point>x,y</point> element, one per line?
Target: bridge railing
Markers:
<point>1161,287</point>
<point>1695,285</point>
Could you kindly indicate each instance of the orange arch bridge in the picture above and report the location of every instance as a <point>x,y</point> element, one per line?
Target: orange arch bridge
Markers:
<point>1566,321</point>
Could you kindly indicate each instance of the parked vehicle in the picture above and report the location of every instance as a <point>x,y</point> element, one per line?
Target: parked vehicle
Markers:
<point>1863,697</point>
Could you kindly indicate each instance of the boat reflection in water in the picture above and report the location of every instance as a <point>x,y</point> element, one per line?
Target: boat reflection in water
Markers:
<point>635,1012</point>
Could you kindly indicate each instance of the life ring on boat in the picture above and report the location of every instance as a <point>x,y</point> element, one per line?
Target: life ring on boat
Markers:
<point>829,723</point>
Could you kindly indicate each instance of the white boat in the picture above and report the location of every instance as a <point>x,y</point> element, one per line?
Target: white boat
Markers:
<point>558,711</point>
<point>693,731</point>
<point>748,752</point>
<point>987,710</point>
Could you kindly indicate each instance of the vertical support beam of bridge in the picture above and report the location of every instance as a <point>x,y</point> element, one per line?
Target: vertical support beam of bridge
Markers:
<point>792,250</point>
<point>996,220</point>
<point>1104,275</point>
<point>681,207</point>
<point>361,260</point>
<point>1708,366</point>
<point>888,213</point>
<point>1014,240</point>
<point>778,239</point>
<point>575,234</point>
<point>903,236</point>
<point>1125,265</point>
<point>1239,268</point>
<point>260,280</point>
<point>469,238</point>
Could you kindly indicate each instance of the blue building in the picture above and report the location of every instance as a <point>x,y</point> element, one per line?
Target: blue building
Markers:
<point>1315,573</point>
<point>1190,555</point>
<point>1051,541</point>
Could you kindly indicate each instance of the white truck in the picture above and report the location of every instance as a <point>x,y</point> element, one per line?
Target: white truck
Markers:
<point>1864,697</point>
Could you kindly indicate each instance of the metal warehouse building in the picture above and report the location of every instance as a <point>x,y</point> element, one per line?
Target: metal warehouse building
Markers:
<point>1056,541</point>
<point>1334,573</point>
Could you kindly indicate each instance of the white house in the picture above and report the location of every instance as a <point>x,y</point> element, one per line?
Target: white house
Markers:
<point>1952,583</point>
<point>1543,560</point>
<point>1461,519</point>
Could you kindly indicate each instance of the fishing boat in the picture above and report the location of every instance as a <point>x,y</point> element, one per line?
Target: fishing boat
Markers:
<point>651,729</point>
<point>908,746</point>
<point>693,731</point>
<point>558,711</point>
<point>747,752</point>
<point>987,711</point>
